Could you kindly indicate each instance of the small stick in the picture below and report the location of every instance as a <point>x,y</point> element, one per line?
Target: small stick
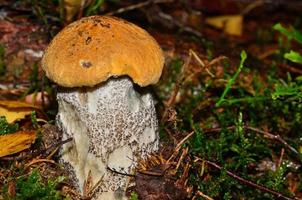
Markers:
<point>184,140</point>
<point>252,6</point>
<point>52,153</point>
<point>184,176</point>
<point>120,173</point>
<point>176,150</point>
<point>274,137</point>
<point>182,156</point>
<point>250,183</point>
<point>171,135</point>
<point>291,69</point>
<point>281,158</point>
<point>179,24</point>
<point>202,195</point>
<point>38,161</point>
<point>202,63</point>
<point>137,6</point>
<point>269,135</point>
<point>87,184</point>
<point>176,88</point>
<point>149,173</point>
<point>94,188</point>
<point>54,146</point>
<point>68,189</point>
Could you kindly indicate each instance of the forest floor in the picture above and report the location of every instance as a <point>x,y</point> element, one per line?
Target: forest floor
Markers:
<point>229,99</point>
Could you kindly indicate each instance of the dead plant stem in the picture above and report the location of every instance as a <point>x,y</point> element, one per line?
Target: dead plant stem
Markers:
<point>247,182</point>
<point>277,137</point>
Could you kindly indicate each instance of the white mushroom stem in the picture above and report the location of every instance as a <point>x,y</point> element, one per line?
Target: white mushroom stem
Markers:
<point>112,125</point>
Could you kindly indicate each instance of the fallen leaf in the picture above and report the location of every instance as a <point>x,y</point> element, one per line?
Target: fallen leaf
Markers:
<point>231,24</point>
<point>16,142</point>
<point>16,104</point>
<point>14,110</point>
<point>12,115</point>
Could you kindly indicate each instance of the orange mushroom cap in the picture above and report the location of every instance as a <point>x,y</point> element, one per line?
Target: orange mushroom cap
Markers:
<point>93,49</point>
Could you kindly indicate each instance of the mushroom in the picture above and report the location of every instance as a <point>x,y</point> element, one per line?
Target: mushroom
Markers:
<point>101,65</point>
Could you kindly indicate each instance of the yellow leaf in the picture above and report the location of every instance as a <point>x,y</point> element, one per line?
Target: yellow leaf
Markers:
<point>231,24</point>
<point>14,114</point>
<point>14,110</point>
<point>16,142</point>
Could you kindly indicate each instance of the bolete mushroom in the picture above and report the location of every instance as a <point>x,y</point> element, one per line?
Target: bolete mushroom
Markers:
<point>99,62</point>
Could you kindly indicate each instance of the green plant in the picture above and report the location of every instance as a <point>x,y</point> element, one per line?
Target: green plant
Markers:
<point>6,128</point>
<point>219,117</point>
<point>291,34</point>
<point>93,7</point>
<point>33,188</point>
<point>33,117</point>
<point>232,80</point>
<point>133,196</point>
<point>291,91</point>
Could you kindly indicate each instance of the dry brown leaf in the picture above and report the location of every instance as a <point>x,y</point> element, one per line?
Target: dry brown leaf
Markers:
<point>17,104</point>
<point>16,142</point>
<point>231,24</point>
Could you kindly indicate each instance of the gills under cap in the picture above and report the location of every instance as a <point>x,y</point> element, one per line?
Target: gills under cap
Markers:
<point>93,49</point>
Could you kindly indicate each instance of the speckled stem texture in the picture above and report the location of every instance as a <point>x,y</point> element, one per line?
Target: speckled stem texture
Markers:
<point>112,126</point>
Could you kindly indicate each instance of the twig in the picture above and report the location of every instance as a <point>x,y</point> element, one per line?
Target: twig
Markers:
<point>176,150</point>
<point>274,137</point>
<point>149,173</point>
<point>252,6</point>
<point>70,190</point>
<point>268,53</point>
<point>216,60</point>
<point>184,140</point>
<point>87,185</point>
<point>202,63</point>
<point>281,158</point>
<point>93,191</point>
<point>247,182</point>
<point>199,193</point>
<point>285,66</point>
<point>179,24</point>
<point>182,156</point>
<point>54,146</point>
<point>170,135</point>
<point>269,135</point>
<point>137,6</point>
<point>183,179</point>
<point>291,69</point>
<point>120,173</point>
<point>38,161</point>
<point>176,88</point>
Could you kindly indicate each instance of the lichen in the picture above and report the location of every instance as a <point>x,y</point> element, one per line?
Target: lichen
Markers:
<point>112,126</point>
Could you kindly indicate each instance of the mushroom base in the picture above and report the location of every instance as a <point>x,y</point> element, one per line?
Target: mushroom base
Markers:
<point>112,125</point>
